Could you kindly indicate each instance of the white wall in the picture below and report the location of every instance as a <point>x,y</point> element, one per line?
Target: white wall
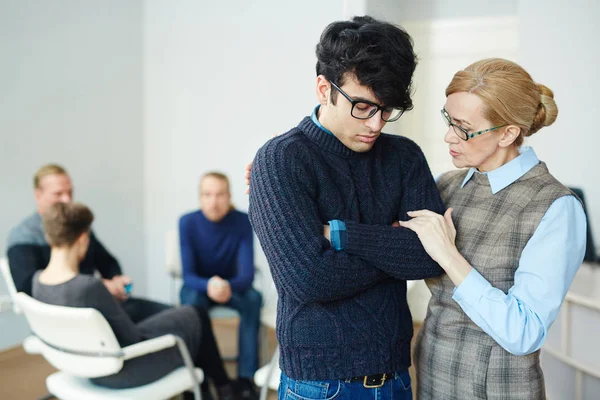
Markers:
<point>559,47</point>
<point>409,10</point>
<point>219,82</point>
<point>72,93</point>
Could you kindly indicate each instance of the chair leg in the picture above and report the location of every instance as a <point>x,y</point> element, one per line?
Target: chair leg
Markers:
<point>173,292</point>
<point>264,344</point>
<point>265,388</point>
<point>189,364</point>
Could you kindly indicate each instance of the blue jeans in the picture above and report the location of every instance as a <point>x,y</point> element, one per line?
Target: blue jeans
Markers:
<point>248,304</point>
<point>396,388</point>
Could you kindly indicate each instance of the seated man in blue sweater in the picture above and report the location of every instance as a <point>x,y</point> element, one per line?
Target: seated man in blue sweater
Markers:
<point>218,267</point>
<point>343,322</point>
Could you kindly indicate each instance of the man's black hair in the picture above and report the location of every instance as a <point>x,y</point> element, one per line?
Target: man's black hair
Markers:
<point>379,54</point>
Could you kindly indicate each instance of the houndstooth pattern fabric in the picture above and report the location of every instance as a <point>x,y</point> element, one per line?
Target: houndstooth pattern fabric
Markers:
<point>455,359</point>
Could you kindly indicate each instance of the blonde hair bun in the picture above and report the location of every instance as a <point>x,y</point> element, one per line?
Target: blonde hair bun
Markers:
<point>547,110</point>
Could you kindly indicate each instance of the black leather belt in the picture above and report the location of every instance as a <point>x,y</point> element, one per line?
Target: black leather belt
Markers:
<point>373,381</point>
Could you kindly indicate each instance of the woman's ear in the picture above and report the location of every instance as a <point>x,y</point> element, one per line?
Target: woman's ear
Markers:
<point>511,133</point>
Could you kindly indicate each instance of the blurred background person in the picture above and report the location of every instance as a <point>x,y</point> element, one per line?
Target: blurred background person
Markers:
<point>29,251</point>
<point>217,259</point>
<point>67,227</point>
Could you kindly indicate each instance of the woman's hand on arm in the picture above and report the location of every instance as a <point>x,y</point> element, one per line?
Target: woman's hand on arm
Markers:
<point>438,234</point>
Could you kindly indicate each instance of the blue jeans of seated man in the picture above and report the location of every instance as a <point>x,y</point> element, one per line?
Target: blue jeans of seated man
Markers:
<point>248,304</point>
<point>395,388</point>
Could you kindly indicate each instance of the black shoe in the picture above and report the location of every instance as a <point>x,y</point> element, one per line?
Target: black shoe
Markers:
<point>226,392</point>
<point>206,395</point>
<point>246,389</point>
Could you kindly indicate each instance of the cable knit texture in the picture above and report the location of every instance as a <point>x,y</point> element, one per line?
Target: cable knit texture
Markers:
<point>341,314</point>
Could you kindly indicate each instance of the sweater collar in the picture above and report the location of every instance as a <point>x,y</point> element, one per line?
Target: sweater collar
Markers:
<point>222,222</point>
<point>326,141</point>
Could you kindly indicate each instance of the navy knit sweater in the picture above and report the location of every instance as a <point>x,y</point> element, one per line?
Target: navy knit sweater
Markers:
<point>222,248</point>
<point>341,314</point>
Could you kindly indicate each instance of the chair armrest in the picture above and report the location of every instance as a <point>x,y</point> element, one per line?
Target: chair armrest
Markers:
<point>32,345</point>
<point>164,342</point>
<point>149,346</point>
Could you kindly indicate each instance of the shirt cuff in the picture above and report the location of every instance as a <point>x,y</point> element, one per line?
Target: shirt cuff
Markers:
<point>471,289</point>
<point>337,234</point>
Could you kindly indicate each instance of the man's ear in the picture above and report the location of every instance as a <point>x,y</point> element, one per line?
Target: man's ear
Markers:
<point>323,90</point>
<point>37,193</point>
<point>83,238</point>
<point>511,133</point>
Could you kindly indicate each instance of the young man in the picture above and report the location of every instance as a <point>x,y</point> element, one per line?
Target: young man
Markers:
<point>217,258</point>
<point>343,321</point>
<point>28,250</point>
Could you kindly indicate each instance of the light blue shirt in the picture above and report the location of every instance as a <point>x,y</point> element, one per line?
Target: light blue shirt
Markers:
<point>519,321</point>
<point>314,118</point>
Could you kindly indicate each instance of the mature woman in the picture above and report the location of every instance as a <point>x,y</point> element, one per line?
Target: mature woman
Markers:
<point>510,242</point>
<point>67,229</point>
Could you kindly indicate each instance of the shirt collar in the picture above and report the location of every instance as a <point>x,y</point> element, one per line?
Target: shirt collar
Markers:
<point>316,120</point>
<point>503,176</point>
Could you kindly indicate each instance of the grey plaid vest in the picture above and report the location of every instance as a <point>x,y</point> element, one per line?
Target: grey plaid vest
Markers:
<point>455,358</point>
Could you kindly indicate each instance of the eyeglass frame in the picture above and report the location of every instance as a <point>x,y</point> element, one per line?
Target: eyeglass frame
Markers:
<point>378,107</point>
<point>468,135</point>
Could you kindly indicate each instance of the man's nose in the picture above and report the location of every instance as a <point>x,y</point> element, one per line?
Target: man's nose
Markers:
<point>375,123</point>
<point>66,198</point>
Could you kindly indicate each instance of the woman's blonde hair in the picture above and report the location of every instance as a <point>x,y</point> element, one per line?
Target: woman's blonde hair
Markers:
<point>65,222</point>
<point>509,94</point>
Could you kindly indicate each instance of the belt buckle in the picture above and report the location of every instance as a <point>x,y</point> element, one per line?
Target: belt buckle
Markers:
<point>377,385</point>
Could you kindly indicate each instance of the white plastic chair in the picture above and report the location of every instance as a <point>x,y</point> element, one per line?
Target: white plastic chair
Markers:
<point>80,344</point>
<point>30,344</point>
<point>267,377</point>
<point>10,284</point>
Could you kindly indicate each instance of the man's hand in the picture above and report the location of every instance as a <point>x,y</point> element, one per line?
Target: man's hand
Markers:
<point>116,286</point>
<point>327,232</point>
<point>218,290</point>
<point>247,170</point>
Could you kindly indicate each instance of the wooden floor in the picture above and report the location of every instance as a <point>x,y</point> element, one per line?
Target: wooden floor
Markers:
<point>22,376</point>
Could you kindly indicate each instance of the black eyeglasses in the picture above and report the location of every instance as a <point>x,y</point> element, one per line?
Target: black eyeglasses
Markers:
<point>462,132</point>
<point>362,109</point>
